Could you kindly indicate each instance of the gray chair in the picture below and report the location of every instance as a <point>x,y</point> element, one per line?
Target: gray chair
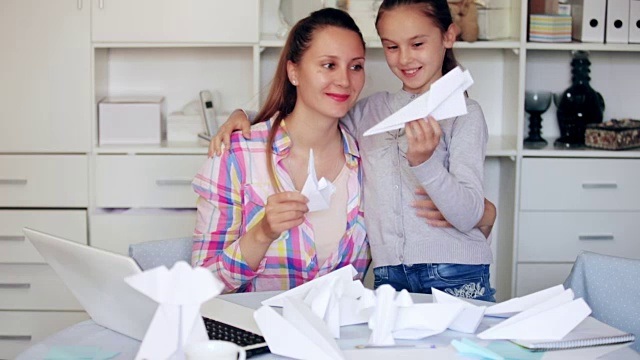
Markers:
<point>150,254</point>
<point>611,287</point>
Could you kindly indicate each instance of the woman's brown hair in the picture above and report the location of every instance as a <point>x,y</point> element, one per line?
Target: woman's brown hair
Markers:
<point>282,95</point>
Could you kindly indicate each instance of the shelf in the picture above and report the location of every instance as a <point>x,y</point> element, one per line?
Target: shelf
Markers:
<point>501,146</point>
<point>177,148</point>
<point>583,46</point>
<point>271,41</point>
<point>585,152</point>
<point>110,45</point>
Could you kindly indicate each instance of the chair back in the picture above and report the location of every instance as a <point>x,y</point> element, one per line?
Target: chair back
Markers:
<point>150,254</point>
<point>611,287</point>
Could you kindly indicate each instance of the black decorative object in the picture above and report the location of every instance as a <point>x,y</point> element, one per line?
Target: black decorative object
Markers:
<point>536,103</point>
<point>579,105</point>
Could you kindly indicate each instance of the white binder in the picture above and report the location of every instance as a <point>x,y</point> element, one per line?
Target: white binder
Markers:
<point>617,22</point>
<point>588,18</point>
<point>634,21</point>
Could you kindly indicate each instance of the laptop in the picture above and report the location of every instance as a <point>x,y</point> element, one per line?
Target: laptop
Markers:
<point>96,278</point>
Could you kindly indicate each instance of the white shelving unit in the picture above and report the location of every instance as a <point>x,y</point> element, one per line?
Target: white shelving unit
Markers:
<point>66,55</point>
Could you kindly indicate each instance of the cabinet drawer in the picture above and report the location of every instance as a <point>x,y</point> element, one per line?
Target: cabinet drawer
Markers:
<point>146,181</point>
<point>536,277</point>
<point>43,181</point>
<point>21,329</point>
<point>115,231</point>
<point>580,184</point>
<point>561,236</point>
<point>193,21</point>
<point>34,287</point>
<point>15,248</point>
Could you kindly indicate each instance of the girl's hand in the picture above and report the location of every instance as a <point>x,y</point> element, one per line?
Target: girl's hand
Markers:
<point>236,121</point>
<point>425,208</point>
<point>423,137</point>
<point>283,211</point>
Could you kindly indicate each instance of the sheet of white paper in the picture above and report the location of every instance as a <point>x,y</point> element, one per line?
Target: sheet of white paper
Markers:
<point>298,334</point>
<point>554,323</point>
<point>468,320</point>
<point>345,273</point>
<point>518,304</point>
<point>445,99</point>
<point>177,321</point>
<point>318,192</point>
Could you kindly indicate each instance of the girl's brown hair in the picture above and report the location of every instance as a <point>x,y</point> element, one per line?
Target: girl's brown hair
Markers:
<point>436,10</point>
<point>282,95</point>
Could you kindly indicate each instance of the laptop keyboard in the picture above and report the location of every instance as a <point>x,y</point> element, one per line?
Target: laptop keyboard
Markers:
<point>248,340</point>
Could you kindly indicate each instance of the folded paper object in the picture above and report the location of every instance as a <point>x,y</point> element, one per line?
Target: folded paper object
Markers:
<point>177,321</point>
<point>318,191</point>
<point>445,99</point>
<point>468,320</point>
<point>335,298</point>
<point>519,304</point>
<point>551,319</point>
<point>298,333</point>
<point>395,316</point>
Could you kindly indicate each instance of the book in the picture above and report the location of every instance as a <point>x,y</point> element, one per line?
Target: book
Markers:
<point>590,332</point>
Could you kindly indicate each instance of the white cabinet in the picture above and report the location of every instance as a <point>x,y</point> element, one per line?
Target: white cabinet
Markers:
<point>572,205</point>
<point>21,329</point>
<point>45,82</point>
<point>146,181</point>
<point>175,21</point>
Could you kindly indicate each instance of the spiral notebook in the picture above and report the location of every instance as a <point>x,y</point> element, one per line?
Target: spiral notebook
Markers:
<point>590,332</point>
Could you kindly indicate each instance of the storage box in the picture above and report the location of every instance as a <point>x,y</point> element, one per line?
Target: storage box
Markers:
<point>183,128</point>
<point>493,4</point>
<point>588,20</point>
<point>617,22</point>
<point>130,120</point>
<point>634,21</point>
<point>614,134</point>
<point>549,28</point>
<point>493,24</point>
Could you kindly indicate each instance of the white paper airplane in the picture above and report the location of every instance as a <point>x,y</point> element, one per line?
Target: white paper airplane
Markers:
<point>445,99</point>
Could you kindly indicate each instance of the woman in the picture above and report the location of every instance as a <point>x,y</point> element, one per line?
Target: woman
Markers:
<point>253,228</point>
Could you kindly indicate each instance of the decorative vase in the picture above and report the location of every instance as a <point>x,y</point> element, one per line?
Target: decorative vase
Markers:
<point>579,105</point>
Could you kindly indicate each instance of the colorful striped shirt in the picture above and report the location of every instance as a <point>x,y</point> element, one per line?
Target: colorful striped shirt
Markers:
<point>233,190</point>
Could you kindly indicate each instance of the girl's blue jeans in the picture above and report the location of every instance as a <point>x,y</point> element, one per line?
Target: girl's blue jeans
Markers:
<point>465,281</point>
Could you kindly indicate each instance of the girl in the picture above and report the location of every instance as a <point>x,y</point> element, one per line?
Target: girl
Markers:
<point>252,228</point>
<point>444,159</point>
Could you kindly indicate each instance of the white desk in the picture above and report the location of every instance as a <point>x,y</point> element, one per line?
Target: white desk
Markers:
<point>88,333</point>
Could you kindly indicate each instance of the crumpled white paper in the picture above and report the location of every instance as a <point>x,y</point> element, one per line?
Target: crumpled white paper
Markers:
<point>177,321</point>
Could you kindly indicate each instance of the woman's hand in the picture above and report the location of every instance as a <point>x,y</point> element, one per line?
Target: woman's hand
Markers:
<point>423,137</point>
<point>283,211</point>
<point>425,208</point>
<point>236,121</point>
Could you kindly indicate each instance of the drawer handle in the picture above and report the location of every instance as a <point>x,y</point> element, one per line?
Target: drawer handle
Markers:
<point>16,337</point>
<point>13,181</point>
<point>15,286</point>
<point>599,185</point>
<point>173,182</point>
<point>11,238</point>
<point>595,237</point>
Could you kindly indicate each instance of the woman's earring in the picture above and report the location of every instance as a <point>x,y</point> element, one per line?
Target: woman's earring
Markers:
<point>294,82</point>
